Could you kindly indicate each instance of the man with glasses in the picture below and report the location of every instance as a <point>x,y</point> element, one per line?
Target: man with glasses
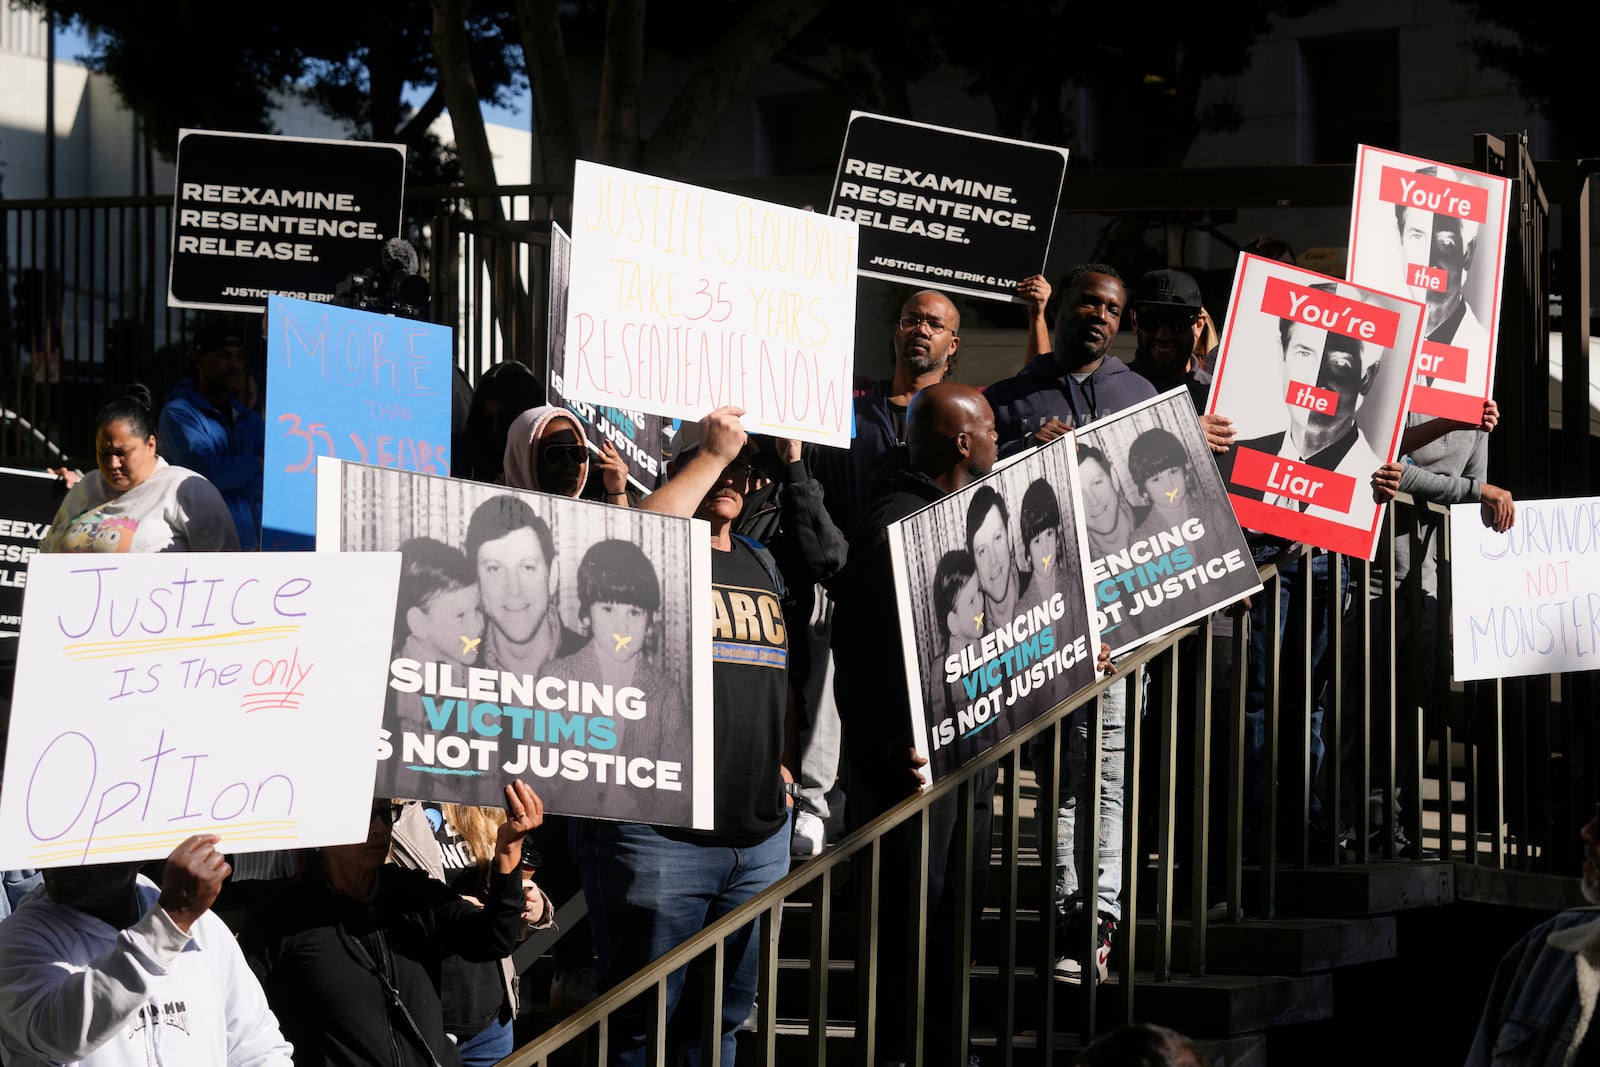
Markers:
<point>650,889</point>
<point>926,338</point>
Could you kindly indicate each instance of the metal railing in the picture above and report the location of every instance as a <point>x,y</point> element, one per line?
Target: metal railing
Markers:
<point>1009,1000</point>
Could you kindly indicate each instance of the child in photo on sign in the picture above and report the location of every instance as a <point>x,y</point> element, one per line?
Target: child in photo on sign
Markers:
<point>619,606</point>
<point>439,619</point>
<point>958,605</point>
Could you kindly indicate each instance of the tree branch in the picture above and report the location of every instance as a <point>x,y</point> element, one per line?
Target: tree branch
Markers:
<point>555,112</point>
<point>767,27</point>
<point>621,75</point>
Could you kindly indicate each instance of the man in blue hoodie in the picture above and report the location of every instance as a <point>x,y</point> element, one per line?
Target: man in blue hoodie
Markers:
<point>206,426</point>
<point>1077,383</point>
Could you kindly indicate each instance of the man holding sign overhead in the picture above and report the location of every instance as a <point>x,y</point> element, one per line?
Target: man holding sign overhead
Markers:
<point>650,889</point>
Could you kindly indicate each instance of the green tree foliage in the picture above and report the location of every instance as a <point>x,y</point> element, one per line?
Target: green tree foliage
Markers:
<point>178,64</point>
<point>1142,65</point>
<point>1549,63</point>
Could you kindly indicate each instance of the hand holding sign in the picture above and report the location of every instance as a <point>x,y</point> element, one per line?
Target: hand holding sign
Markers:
<point>193,877</point>
<point>524,814</point>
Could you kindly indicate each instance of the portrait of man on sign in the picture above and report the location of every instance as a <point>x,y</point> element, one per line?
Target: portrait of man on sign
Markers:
<point>1316,374</point>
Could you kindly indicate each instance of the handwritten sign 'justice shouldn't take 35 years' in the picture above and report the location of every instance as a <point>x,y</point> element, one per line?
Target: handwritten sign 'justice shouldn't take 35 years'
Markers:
<point>161,696</point>
<point>684,299</point>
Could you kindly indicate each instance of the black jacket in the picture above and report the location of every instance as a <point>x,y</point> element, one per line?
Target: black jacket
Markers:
<point>329,963</point>
<point>869,670</point>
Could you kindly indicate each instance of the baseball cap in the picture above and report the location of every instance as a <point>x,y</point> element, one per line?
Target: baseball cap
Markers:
<point>686,439</point>
<point>215,336</point>
<point>1171,287</point>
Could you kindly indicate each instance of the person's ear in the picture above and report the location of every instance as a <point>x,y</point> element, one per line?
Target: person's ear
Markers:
<point>963,444</point>
<point>416,618</point>
<point>1471,250</point>
<point>955,343</point>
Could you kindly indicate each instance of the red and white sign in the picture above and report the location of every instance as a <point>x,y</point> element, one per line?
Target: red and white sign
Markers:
<point>1316,375</point>
<point>1437,234</point>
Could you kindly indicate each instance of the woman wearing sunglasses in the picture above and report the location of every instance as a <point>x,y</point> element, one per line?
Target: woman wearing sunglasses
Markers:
<point>546,451</point>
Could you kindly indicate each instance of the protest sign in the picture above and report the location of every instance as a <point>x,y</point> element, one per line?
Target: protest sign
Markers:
<point>163,695</point>
<point>256,216</point>
<point>683,299</point>
<point>1526,601</point>
<point>637,436</point>
<point>1001,628</point>
<point>1316,374</point>
<point>1437,234</point>
<point>353,385</point>
<point>966,212</point>
<point>31,499</point>
<point>1164,547</point>
<point>576,656</point>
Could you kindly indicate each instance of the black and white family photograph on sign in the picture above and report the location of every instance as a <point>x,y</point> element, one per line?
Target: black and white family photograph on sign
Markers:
<point>538,637</point>
<point>992,581</point>
<point>1164,546</point>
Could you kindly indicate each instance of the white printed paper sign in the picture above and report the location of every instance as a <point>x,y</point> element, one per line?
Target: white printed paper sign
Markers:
<point>159,696</point>
<point>683,299</point>
<point>1526,601</point>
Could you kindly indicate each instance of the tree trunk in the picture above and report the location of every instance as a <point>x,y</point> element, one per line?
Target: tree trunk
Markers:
<point>555,112</point>
<point>454,53</point>
<point>621,75</point>
<point>766,27</point>
<point>494,255</point>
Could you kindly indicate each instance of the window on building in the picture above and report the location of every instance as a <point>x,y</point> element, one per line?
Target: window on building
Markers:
<point>801,133</point>
<point>1351,87</point>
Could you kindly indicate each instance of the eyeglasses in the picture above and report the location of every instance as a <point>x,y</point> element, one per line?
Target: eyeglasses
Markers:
<point>570,454</point>
<point>1153,318</point>
<point>935,326</point>
<point>387,814</point>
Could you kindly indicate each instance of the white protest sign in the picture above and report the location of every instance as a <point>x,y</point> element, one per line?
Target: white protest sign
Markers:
<point>1526,601</point>
<point>683,299</point>
<point>159,696</point>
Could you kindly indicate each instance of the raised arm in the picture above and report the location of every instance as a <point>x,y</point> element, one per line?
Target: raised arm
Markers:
<point>722,439</point>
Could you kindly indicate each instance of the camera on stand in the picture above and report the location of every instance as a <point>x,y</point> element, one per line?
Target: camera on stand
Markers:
<point>394,288</point>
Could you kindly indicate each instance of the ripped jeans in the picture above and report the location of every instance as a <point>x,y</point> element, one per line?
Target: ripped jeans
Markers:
<point>1072,832</point>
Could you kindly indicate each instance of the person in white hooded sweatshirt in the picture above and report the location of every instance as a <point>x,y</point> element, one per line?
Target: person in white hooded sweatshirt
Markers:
<point>103,968</point>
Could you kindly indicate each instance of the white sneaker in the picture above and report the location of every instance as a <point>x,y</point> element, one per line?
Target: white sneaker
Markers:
<point>808,835</point>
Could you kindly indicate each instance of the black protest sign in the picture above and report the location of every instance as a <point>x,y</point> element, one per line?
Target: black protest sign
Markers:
<point>997,628</point>
<point>1164,546</point>
<point>964,212</point>
<point>256,216</point>
<point>638,436</point>
<point>31,499</point>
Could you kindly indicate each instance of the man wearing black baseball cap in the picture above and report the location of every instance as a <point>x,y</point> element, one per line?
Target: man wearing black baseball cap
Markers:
<point>206,426</point>
<point>1166,320</point>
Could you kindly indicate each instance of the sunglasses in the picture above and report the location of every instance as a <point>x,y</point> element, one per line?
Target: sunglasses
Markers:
<point>570,454</point>
<point>387,814</point>
<point>1153,318</point>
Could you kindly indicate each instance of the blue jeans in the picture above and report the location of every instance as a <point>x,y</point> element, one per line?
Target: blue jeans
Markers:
<point>1291,678</point>
<point>488,1046</point>
<point>1072,831</point>
<point>648,894</point>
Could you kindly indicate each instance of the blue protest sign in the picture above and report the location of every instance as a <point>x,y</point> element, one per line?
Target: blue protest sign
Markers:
<point>354,385</point>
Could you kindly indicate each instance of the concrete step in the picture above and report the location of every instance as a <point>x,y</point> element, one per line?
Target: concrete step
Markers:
<point>1280,946</point>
